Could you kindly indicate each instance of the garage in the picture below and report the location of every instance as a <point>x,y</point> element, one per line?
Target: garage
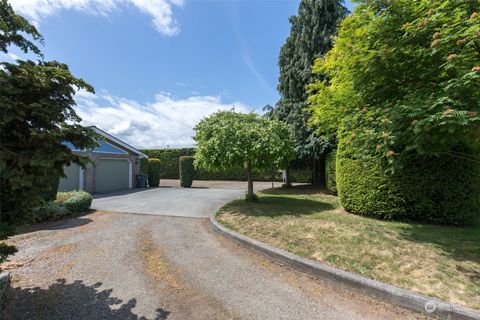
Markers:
<point>112,174</point>
<point>111,165</point>
<point>73,179</point>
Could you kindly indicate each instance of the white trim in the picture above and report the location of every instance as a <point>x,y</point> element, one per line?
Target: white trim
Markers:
<point>80,179</point>
<point>123,144</point>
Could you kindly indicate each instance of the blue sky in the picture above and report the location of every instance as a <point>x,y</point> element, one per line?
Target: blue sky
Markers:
<point>159,66</point>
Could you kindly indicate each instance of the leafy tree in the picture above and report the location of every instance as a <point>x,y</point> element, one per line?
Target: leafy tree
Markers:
<point>402,96</point>
<point>37,116</point>
<point>230,140</point>
<point>409,73</point>
<point>310,37</point>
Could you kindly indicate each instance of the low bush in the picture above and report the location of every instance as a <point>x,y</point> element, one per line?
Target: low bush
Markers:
<point>154,169</point>
<point>74,202</point>
<point>440,190</point>
<point>330,174</point>
<point>52,210</point>
<point>186,171</point>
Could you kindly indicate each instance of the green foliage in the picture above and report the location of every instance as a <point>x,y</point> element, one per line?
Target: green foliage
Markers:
<point>170,162</point>
<point>409,71</point>
<point>251,197</point>
<point>75,202</point>
<point>6,231</point>
<point>36,117</point>
<point>186,171</point>
<point>310,37</point>
<point>228,140</point>
<point>12,30</point>
<point>330,172</point>
<point>154,167</point>
<point>440,190</point>
<point>403,79</point>
<point>52,210</point>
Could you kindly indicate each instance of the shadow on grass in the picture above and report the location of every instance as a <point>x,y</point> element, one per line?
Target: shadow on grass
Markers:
<point>296,190</point>
<point>76,300</point>
<point>275,206</point>
<point>459,243</point>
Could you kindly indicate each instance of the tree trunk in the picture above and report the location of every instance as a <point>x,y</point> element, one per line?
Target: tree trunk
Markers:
<point>250,180</point>
<point>287,176</point>
<point>318,175</point>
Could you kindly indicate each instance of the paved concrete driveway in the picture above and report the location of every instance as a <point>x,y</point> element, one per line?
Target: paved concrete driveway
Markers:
<point>170,199</point>
<point>110,265</point>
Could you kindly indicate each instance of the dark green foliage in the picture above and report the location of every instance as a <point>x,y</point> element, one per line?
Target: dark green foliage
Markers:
<point>251,197</point>
<point>170,162</point>
<point>311,35</point>
<point>12,30</point>
<point>330,174</point>
<point>186,171</point>
<point>154,169</point>
<point>75,202</point>
<point>52,210</point>
<point>5,249</point>
<point>37,116</point>
<point>50,191</point>
<point>440,190</point>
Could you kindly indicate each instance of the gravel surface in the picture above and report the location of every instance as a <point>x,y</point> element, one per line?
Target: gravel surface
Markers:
<point>109,265</point>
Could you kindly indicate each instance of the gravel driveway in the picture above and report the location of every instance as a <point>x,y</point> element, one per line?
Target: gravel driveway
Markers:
<point>110,265</point>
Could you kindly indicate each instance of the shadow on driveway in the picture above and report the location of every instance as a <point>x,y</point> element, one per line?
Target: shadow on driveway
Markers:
<point>62,300</point>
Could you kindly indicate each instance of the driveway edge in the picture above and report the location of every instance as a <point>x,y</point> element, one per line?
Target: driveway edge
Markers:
<point>381,291</point>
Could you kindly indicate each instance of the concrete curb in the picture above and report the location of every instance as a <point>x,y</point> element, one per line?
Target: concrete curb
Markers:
<point>4,283</point>
<point>381,291</point>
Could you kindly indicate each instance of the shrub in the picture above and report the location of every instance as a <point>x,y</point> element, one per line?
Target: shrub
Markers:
<point>440,190</point>
<point>75,202</point>
<point>154,169</point>
<point>186,171</point>
<point>52,210</point>
<point>6,230</point>
<point>330,175</point>
<point>170,163</point>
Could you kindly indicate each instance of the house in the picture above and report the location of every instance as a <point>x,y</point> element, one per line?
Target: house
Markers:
<point>114,166</point>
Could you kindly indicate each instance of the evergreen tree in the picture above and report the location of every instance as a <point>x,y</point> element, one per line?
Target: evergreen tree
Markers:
<point>311,36</point>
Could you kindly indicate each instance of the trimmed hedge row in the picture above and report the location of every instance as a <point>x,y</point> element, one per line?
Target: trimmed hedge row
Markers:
<point>169,168</point>
<point>186,171</point>
<point>330,175</point>
<point>154,170</point>
<point>440,190</point>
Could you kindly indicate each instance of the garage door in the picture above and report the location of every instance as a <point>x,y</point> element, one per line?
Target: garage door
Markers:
<point>111,175</point>
<point>72,180</point>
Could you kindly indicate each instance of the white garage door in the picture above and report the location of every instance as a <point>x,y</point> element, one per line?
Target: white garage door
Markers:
<point>112,174</point>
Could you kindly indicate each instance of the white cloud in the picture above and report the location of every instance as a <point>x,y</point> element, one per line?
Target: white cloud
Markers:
<point>159,10</point>
<point>166,121</point>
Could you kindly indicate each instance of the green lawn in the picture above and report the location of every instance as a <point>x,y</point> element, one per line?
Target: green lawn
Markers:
<point>439,261</point>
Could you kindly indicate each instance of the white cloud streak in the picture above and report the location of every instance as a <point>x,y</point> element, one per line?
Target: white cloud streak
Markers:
<point>159,10</point>
<point>167,121</point>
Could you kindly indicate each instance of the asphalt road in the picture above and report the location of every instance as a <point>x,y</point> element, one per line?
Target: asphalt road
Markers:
<point>109,265</point>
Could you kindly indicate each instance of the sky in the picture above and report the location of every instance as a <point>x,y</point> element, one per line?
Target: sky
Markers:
<point>159,66</point>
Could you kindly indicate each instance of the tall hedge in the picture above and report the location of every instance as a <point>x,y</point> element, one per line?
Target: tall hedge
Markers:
<point>170,163</point>
<point>186,171</point>
<point>330,175</point>
<point>440,190</point>
<point>154,170</point>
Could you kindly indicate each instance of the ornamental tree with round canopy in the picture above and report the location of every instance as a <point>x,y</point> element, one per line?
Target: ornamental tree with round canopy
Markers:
<point>230,140</point>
